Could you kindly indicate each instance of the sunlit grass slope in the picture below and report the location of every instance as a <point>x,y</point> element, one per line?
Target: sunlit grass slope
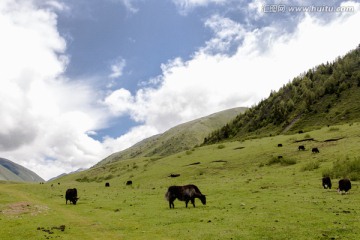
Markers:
<point>179,138</point>
<point>251,194</point>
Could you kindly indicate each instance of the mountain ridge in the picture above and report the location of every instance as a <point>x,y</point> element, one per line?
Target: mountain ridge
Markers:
<point>10,171</point>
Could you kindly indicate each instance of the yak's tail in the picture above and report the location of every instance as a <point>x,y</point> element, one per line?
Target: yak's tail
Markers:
<point>167,195</point>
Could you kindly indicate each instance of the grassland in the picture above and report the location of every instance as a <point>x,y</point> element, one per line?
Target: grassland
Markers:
<point>250,195</point>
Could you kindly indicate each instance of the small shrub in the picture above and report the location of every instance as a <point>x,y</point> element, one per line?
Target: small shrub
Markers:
<point>333,129</point>
<point>83,179</point>
<point>153,159</point>
<point>274,160</point>
<point>108,177</point>
<point>188,152</point>
<point>307,136</point>
<point>281,161</point>
<point>288,161</point>
<point>311,166</point>
<point>221,146</point>
<point>346,168</point>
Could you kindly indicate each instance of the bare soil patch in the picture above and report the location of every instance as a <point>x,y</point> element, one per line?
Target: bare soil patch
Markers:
<point>20,208</point>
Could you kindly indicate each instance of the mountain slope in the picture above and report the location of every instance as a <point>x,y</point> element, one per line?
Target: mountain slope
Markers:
<point>325,95</point>
<point>10,171</point>
<point>182,137</point>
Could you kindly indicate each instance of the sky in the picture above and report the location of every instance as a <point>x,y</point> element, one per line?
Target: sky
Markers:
<point>82,79</point>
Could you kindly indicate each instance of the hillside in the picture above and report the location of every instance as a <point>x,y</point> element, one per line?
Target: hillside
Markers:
<point>325,95</point>
<point>251,193</point>
<point>182,137</point>
<point>10,171</point>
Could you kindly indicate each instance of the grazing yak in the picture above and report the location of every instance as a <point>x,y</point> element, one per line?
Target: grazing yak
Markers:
<point>315,150</point>
<point>184,193</point>
<point>301,147</point>
<point>107,184</point>
<point>280,145</point>
<point>174,175</point>
<point>344,185</point>
<point>128,183</point>
<point>71,195</point>
<point>326,182</point>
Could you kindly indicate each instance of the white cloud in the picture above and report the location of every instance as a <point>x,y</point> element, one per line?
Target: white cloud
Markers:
<point>228,33</point>
<point>117,68</point>
<point>130,138</point>
<point>120,101</point>
<point>44,117</point>
<point>187,5</point>
<point>128,4</point>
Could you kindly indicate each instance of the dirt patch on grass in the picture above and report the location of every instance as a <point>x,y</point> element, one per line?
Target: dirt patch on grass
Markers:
<point>20,208</point>
<point>219,161</point>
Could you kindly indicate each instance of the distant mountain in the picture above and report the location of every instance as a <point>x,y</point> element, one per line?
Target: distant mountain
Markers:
<point>325,95</point>
<point>64,174</point>
<point>10,171</point>
<point>182,137</point>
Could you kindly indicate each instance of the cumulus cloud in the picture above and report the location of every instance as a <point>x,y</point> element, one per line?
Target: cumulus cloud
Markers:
<point>128,4</point>
<point>130,138</point>
<point>228,33</point>
<point>117,68</point>
<point>120,102</point>
<point>187,5</point>
<point>44,116</point>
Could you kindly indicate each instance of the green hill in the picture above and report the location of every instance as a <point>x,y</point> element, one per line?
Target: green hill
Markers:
<point>10,171</point>
<point>182,137</point>
<point>325,95</point>
<point>251,194</point>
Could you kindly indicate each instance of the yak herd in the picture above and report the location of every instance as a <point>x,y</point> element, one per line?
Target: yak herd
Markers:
<point>188,193</point>
<point>344,184</point>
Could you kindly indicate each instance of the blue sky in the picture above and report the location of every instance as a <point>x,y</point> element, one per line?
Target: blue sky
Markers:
<point>82,79</point>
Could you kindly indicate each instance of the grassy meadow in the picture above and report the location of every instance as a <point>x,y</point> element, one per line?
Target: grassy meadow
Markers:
<point>251,194</point>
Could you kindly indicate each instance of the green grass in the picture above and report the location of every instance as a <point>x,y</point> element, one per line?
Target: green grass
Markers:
<point>247,198</point>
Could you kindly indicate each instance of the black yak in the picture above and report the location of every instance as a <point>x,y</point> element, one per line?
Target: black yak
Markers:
<point>326,182</point>
<point>174,175</point>
<point>128,183</point>
<point>107,184</point>
<point>302,147</point>
<point>344,185</point>
<point>280,145</point>
<point>71,195</point>
<point>184,193</point>
<point>315,150</point>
